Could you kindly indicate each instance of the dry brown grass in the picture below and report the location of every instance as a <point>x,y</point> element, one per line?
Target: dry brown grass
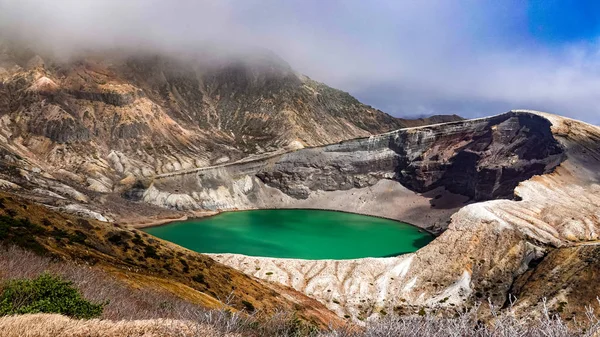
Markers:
<point>52,325</point>
<point>125,302</point>
<point>132,310</point>
<point>220,323</point>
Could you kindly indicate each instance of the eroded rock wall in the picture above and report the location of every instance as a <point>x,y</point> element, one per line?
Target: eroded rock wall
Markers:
<point>481,159</point>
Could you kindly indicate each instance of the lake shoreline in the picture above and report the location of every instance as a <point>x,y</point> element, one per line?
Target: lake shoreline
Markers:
<point>165,221</point>
<point>286,232</point>
<point>206,214</point>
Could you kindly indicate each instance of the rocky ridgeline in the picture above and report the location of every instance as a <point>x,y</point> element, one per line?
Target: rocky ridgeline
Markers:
<point>482,159</point>
<point>117,117</point>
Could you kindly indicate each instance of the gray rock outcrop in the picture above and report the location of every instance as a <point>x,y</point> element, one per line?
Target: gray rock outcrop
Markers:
<point>482,159</point>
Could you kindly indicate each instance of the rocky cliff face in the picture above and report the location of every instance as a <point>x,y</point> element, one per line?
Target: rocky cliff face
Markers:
<point>481,159</point>
<point>147,114</point>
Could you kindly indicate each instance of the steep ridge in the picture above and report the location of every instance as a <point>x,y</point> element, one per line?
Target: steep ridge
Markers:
<point>543,169</point>
<point>161,113</point>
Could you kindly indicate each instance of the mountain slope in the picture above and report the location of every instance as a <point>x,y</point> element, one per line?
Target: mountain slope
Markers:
<point>173,112</point>
<point>135,259</point>
<point>83,130</point>
<point>99,122</point>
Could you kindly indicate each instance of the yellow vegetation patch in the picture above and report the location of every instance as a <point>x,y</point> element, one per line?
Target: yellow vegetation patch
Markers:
<point>52,325</point>
<point>141,281</point>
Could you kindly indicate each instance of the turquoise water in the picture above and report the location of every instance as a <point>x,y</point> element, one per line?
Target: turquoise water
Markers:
<point>295,233</point>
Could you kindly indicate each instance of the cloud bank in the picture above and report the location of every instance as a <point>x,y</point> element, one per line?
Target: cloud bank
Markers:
<point>407,58</point>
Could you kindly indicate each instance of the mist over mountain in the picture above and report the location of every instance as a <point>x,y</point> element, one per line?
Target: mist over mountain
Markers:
<point>467,58</point>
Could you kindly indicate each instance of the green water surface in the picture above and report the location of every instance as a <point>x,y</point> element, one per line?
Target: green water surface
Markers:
<point>295,233</point>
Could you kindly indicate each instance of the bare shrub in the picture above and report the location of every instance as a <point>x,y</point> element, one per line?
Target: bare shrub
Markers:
<point>503,324</point>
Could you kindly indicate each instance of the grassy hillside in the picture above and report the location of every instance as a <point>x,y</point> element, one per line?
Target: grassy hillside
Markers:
<point>135,260</point>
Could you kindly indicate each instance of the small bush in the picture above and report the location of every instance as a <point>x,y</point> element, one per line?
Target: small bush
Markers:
<point>248,306</point>
<point>116,238</point>
<point>46,294</point>
<point>85,223</point>
<point>137,239</point>
<point>59,233</point>
<point>21,232</point>
<point>150,252</point>
<point>199,278</point>
<point>186,267</point>
<point>78,237</point>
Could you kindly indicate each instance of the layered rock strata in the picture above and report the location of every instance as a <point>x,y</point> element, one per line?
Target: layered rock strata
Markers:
<point>438,167</point>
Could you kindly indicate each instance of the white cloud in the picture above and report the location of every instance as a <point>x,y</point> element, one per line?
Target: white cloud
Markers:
<point>405,57</point>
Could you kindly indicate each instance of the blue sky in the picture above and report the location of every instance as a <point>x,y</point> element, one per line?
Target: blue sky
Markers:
<point>473,58</point>
<point>555,22</point>
<point>406,57</point>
